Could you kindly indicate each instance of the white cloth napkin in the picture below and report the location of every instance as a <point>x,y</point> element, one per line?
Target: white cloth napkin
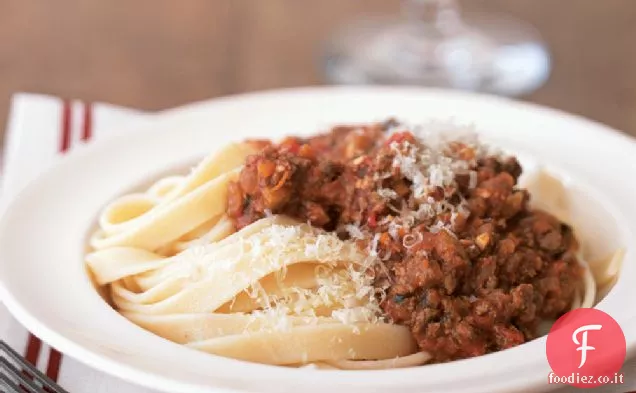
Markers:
<point>41,129</point>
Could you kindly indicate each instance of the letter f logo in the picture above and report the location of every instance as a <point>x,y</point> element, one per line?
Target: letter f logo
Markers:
<point>583,343</point>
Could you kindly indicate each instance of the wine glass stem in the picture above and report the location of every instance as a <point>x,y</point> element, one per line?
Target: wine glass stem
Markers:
<point>441,15</point>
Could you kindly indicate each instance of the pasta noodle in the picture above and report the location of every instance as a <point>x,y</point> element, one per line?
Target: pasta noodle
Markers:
<point>178,297</point>
<point>550,194</point>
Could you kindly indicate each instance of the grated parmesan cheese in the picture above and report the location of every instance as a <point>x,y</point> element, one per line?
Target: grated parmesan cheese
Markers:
<point>387,193</point>
<point>472,180</point>
<point>430,165</point>
<point>354,231</point>
<point>346,294</point>
<point>394,228</point>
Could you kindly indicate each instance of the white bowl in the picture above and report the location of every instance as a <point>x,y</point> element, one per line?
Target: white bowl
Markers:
<point>43,233</point>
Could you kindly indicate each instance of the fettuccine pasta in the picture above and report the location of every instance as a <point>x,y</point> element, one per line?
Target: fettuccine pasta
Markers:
<point>176,267</point>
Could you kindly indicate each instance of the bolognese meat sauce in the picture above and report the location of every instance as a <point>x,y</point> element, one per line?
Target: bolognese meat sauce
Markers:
<point>463,260</point>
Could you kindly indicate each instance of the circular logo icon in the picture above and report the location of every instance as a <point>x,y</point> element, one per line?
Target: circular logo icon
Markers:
<point>585,348</point>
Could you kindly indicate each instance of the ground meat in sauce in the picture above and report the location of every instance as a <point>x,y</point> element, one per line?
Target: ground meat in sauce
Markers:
<point>479,283</point>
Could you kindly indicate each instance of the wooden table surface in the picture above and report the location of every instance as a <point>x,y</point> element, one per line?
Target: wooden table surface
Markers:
<point>155,54</point>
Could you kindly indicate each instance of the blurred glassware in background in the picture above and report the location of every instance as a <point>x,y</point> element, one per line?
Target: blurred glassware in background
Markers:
<point>434,45</point>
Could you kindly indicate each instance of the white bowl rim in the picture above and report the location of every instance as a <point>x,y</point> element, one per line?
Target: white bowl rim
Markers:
<point>268,374</point>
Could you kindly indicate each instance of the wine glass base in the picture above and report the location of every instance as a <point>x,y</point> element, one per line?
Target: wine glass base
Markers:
<point>494,54</point>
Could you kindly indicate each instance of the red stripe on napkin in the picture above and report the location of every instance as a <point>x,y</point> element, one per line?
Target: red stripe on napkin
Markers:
<point>33,347</point>
<point>55,361</point>
<point>65,134</point>
<point>87,127</point>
